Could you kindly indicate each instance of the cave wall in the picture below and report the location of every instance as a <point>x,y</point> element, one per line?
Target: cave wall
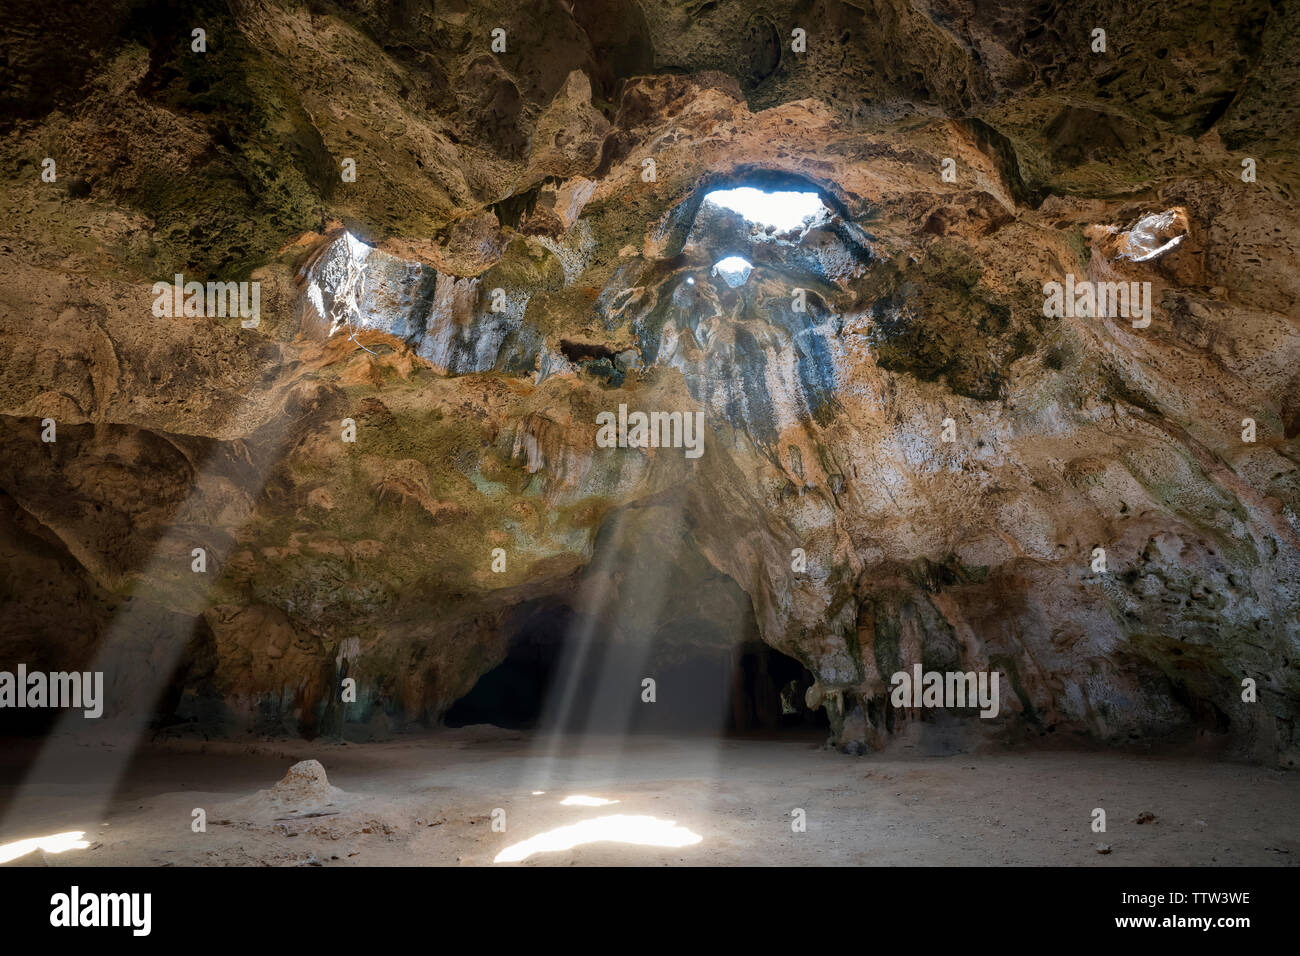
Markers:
<point>524,171</point>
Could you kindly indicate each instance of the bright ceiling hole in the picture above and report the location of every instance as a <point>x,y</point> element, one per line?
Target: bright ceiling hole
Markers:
<point>1146,240</point>
<point>734,270</point>
<point>784,209</point>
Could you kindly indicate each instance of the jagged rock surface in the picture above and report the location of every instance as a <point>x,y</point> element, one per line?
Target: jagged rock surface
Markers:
<point>524,171</point>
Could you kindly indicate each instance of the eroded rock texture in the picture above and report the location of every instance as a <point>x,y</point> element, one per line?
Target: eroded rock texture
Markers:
<point>525,171</point>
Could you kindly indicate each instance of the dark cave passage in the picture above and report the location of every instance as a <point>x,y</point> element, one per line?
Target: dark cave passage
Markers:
<point>513,693</point>
<point>550,680</point>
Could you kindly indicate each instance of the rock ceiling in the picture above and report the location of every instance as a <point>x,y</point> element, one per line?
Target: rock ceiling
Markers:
<point>469,254</point>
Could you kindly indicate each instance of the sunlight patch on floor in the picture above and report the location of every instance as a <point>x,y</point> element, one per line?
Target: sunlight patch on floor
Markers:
<point>54,843</point>
<point>636,830</point>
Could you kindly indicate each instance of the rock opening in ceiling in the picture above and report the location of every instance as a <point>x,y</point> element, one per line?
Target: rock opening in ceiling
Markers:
<point>734,270</point>
<point>782,209</point>
<point>1153,235</point>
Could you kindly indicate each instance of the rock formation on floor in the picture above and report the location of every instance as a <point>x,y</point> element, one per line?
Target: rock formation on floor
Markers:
<point>525,245</point>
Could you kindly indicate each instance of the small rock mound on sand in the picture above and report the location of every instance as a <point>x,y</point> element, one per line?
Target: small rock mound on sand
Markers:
<point>304,783</point>
<point>304,789</point>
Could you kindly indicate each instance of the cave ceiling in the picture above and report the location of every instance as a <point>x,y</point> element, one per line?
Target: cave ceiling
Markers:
<point>468,244</point>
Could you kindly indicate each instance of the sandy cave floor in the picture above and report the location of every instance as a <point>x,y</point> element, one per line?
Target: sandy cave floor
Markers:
<point>428,800</point>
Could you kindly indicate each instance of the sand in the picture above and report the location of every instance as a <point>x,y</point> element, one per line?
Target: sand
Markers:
<point>429,799</point>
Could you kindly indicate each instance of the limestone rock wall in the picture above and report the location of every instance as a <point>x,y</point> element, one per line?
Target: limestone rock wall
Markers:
<point>504,268</point>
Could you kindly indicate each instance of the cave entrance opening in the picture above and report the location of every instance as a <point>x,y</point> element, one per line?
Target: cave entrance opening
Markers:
<point>706,689</point>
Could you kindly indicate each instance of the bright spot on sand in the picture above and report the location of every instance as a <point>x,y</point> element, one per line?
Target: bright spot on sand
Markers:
<point>578,800</point>
<point>642,831</point>
<point>538,793</point>
<point>784,210</point>
<point>54,843</point>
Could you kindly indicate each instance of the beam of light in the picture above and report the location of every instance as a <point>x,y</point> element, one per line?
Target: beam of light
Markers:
<point>590,702</point>
<point>783,209</point>
<point>611,702</point>
<point>635,830</point>
<point>249,462</point>
<point>54,843</point>
<point>567,698</point>
<point>123,731</point>
<point>578,800</point>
